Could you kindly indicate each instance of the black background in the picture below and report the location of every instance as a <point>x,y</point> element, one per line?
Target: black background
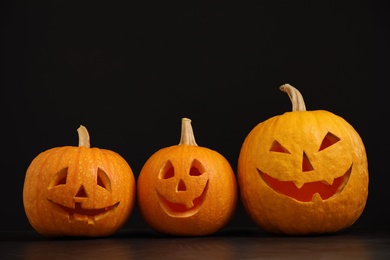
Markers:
<point>130,70</point>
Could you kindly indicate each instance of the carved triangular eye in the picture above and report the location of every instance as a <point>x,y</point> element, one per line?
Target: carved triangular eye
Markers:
<point>103,180</point>
<point>277,147</point>
<point>59,178</point>
<point>196,168</point>
<point>167,171</point>
<point>328,140</point>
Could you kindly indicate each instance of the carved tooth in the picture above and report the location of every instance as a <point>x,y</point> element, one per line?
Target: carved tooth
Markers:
<point>80,217</point>
<point>328,181</point>
<point>299,184</point>
<point>91,220</point>
<point>189,204</point>
<point>316,198</point>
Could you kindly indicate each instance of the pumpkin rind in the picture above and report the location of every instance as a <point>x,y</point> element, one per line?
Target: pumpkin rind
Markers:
<point>301,133</point>
<point>204,202</point>
<point>50,204</point>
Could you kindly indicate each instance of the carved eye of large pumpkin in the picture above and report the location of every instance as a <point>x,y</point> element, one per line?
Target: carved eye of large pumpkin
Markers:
<point>186,189</point>
<point>303,172</point>
<point>78,191</point>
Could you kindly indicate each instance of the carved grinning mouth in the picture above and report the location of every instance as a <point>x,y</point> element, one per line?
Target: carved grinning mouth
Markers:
<point>307,192</point>
<point>180,210</point>
<point>81,213</point>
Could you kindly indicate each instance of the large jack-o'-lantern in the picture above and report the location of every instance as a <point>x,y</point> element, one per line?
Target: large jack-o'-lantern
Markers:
<point>303,172</point>
<point>78,191</point>
<point>187,190</point>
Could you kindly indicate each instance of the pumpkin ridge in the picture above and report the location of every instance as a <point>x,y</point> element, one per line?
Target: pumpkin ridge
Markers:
<point>108,163</point>
<point>36,167</point>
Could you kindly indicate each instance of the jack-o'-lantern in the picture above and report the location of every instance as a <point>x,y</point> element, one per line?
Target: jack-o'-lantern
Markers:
<point>303,172</point>
<point>78,190</point>
<point>186,189</point>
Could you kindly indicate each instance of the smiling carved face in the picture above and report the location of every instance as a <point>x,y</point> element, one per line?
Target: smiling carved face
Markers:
<point>82,206</point>
<point>303,189</point>
<point>303,172</point>
<point>78,191</point>
<point>186,190</point>
<point>182,191</point>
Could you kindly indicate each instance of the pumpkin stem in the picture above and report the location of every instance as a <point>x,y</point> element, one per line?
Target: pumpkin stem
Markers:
<point>83,136</point>
<point>187,134</point>
<point>298,104</point>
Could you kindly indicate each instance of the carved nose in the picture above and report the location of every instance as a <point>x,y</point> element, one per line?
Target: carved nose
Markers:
<point>306,165</point>
<point>81,193</point>
<point>181,186</point>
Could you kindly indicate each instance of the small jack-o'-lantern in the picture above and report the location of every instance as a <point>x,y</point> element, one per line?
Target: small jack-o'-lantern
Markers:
<point>78,191</point>
<point>186,189</point>
<point>303,172</point>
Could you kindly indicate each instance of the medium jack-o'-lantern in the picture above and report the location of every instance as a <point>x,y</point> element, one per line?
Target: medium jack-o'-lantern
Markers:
<point>186,189</point>
<point>78,190</point>
<point>303,172</point>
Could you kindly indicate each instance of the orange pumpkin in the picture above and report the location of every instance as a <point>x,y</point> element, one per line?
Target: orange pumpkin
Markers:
<point>186,189</point>
<point>303,172</point>
<point>78,191</point>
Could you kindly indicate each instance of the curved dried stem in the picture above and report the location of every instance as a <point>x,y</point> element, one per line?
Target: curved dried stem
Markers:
<point>187,134</point>
<point>298,104</point>
<point>83,136</point>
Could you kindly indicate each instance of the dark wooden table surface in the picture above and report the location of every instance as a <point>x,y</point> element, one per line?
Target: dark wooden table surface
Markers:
<point>249,243</point>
